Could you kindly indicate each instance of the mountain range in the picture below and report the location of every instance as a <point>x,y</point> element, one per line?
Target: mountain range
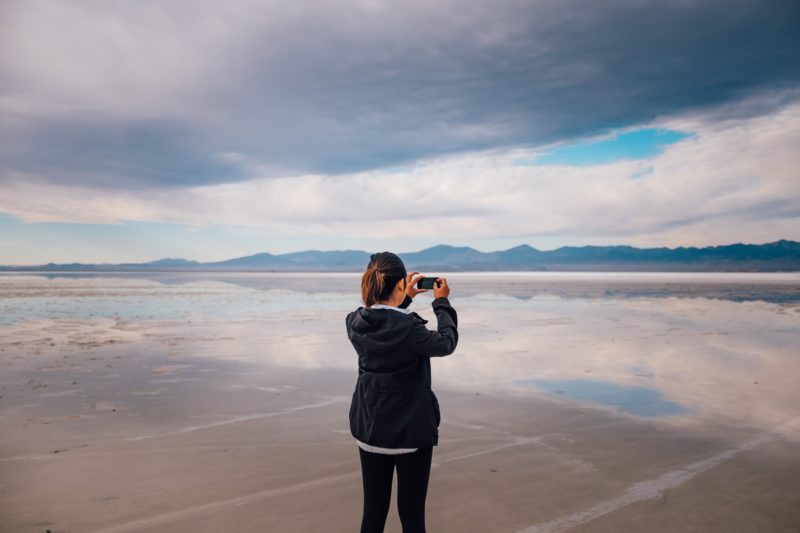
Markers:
<point>782,255</point>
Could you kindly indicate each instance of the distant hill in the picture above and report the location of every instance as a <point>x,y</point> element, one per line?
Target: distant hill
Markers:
<point>783,255</point>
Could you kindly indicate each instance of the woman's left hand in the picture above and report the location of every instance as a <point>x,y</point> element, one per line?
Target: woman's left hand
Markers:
<point>411,284</point>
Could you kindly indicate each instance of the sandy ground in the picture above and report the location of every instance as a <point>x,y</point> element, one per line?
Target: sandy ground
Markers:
<point>110,425</point>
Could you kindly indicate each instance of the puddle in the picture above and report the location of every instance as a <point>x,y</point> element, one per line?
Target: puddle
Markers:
<point>639,401</point>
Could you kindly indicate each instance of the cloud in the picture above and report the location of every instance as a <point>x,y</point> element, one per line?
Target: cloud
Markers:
<point>729,181</point>
<point>167,95</point>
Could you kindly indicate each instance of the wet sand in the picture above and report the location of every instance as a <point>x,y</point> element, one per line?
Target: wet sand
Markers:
<point>558,415</point>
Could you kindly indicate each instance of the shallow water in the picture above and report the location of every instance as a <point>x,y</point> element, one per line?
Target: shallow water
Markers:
<point>639,401</point>
<point>667,345</point>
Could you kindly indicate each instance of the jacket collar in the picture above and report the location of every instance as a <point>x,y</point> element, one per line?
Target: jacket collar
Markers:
<point>384,306</point>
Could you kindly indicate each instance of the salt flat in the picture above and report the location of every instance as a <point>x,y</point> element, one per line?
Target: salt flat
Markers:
<point>574,402</point>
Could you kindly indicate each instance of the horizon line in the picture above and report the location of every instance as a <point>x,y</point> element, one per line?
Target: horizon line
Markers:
<point>781,240</point>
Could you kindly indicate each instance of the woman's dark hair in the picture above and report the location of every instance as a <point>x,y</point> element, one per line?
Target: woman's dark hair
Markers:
<point>383,272</point>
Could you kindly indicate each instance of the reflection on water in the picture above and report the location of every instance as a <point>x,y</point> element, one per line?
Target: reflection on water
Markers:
<point>638,401</point>
<point>152,297</point>
<point>673,346</point>
<point>733,286</point>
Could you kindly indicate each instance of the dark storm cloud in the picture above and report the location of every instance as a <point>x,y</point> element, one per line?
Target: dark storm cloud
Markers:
<point>106,153</point>
<point>340,87</point>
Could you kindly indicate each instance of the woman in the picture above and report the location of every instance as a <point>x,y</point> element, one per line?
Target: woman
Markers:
<point>394,414</point>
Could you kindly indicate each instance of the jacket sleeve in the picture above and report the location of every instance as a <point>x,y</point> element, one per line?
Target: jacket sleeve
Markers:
<point>436,343</point>
<point>406,302</point>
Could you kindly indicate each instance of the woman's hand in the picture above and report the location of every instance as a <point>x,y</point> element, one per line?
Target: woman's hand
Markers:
<point>441,289</point>
<point>411,284</point>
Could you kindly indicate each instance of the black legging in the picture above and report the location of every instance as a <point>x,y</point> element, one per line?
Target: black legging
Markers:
<point>413,471</point>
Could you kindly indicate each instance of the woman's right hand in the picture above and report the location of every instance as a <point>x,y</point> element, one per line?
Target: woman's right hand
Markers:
<point>441,289</point>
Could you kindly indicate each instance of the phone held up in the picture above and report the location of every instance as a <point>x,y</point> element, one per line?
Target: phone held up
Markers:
<point>427,283</point>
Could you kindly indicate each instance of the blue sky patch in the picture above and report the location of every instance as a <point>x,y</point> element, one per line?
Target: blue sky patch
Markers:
<point>637,144</point>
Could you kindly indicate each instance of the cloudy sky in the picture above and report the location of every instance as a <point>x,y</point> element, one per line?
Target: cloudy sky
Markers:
<point>137,130</point>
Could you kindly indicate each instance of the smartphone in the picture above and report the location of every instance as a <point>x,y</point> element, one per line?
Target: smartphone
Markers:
<point>426,283</point>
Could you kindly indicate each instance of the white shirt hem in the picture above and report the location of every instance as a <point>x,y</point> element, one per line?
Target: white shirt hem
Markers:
<point>388,451</point>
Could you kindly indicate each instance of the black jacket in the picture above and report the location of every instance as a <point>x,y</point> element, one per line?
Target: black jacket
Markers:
<point>393,405</point>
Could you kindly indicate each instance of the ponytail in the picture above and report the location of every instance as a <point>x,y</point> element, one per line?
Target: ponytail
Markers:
<point>383,272</point>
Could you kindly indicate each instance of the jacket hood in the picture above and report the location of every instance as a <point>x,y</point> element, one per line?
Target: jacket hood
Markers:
<point>379,329</point>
